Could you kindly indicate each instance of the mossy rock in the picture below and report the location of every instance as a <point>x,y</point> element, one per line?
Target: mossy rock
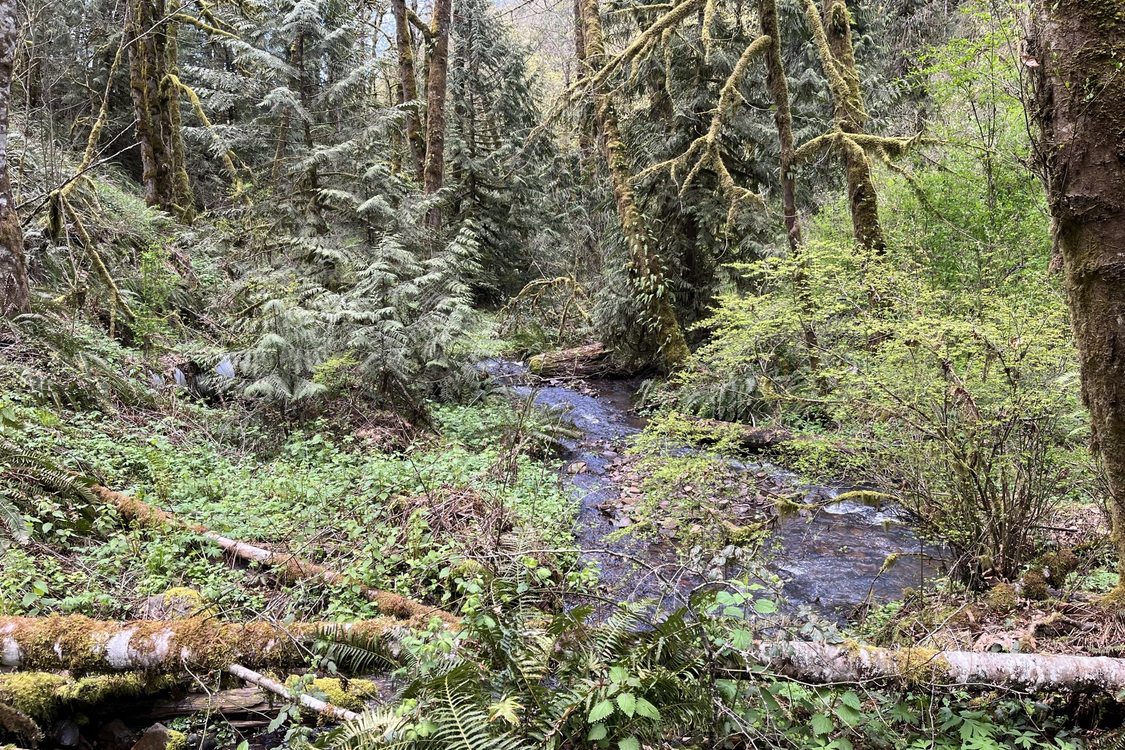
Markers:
<point>1002,598</point>
<point>351,696</point>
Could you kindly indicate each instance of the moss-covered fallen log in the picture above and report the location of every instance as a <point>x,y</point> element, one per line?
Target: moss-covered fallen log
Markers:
<point>853,663</point>
<point>289,566</point>
<point>80,644</point>
<point>749,437</point>
<point>587,361</point>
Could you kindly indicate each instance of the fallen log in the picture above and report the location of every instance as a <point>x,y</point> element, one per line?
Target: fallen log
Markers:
<point>80,644</point>
<point>747,436</point>
<point>589,360</point>
<point>289,566</point>
<point>226,703</point>
<point>825,663</point>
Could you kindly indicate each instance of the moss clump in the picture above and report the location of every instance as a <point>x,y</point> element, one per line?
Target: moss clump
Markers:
<point>350,696</point>
<point>1033,585</point>
<point>33,693</point>
<point>176,740</point>
<point>1002,598</point>
<point>97,688</point>
<point>1058,565</point>
<point>921,666</point>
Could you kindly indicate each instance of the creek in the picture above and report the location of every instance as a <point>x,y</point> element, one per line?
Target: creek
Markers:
<point>832,561</point>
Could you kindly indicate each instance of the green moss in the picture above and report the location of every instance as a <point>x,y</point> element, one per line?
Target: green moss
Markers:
<point>1033,585</point>
<point>32,693</point>
<point>335,692</point>
<point>176,740</point>
<point>1058,565</point>
<point>1002,598</point>
<point>921,666</point>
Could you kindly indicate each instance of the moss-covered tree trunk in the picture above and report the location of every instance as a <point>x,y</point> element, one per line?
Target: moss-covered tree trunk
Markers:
<point>645,265</point>
<point>13,265</point>
<point>838,58</point>
<point>1078,48</point>
<point>437,79</point>
<point>156,103</point>
<point>408,86</point>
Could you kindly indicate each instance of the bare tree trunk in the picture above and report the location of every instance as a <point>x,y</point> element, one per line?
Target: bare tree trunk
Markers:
<point>14,293</point>
<point>408,86</point>
<point>645,267</point>
<point>1078,46</point>
<point>437,78</point>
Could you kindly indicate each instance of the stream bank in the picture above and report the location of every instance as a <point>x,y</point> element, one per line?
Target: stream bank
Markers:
<point>833,561</point>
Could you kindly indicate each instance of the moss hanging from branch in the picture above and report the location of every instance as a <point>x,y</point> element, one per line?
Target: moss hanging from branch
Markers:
<point>645,265</point>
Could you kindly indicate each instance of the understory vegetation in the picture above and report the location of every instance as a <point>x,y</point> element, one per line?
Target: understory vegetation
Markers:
<point>728,377</point>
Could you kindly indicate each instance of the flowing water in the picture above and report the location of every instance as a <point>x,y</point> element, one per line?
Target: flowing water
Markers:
<point>832,560</point>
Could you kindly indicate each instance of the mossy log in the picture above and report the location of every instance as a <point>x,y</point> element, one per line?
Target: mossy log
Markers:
<point>747,436</point>
<point>824,663</point>
<point>288,565</point>
<point>589,360</point>
<point>80,644</point>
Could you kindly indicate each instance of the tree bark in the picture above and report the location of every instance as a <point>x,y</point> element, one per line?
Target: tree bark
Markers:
<point>14,292</point>
<point>778,85</point>
<point>290,566</point>
<point>833,34</point>
<point>824,663</point>
<point>81,644</point>
<point>408,87</point>
<point>156,104</point>
<point>78,643</point>
<point>437,79</point>
<point>1077,49</point>
<point>645,265</point>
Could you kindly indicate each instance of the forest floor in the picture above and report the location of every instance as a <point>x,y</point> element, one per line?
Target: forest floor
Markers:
<point>415,511</point>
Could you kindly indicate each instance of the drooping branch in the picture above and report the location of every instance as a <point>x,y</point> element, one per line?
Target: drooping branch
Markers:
<point>645,265</point>
<point>706,148</point>
<point>290,566</point>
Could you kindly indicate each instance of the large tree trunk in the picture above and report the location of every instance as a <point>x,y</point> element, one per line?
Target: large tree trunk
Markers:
<point>14,294</point>
<point>778,85</point>
<point>79,644</point>
<point>437,79</point>
<point>833,34</point>
<point>825,663</point>
<point>645,266</point>
<point>1078,46</point>
<point>156,104</point>
<point>408,86</point>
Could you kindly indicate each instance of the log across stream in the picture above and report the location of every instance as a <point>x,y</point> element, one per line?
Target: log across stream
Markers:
<point>831,561</point>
